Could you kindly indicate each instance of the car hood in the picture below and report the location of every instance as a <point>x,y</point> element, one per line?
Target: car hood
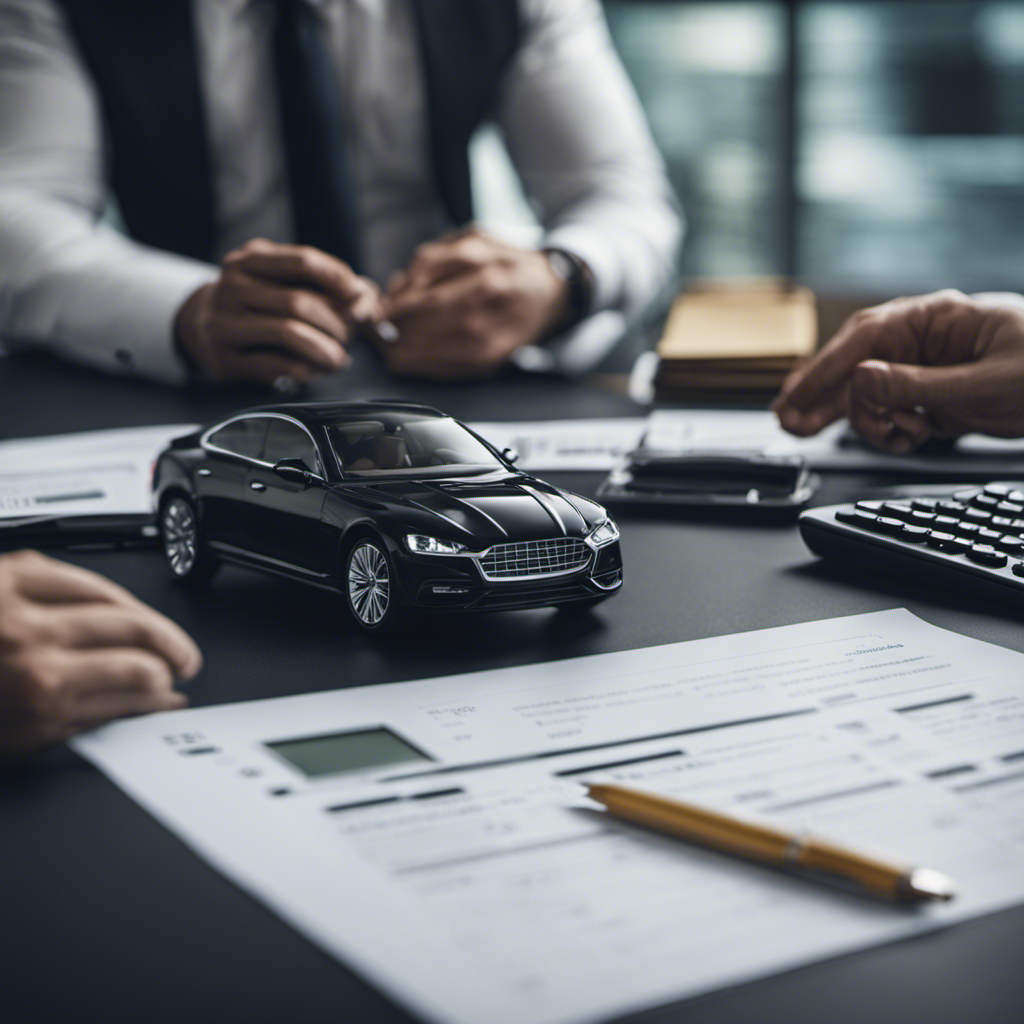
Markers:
<point>483,513</point>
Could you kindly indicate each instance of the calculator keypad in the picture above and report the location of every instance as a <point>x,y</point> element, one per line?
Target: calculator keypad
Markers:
<point>985,525</point>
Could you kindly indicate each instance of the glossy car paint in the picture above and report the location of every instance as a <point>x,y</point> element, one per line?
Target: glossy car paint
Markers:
<point>249,514</point>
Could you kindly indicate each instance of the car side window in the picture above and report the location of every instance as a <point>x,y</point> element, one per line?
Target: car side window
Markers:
<point>242,437</point>
<point>289,441</point>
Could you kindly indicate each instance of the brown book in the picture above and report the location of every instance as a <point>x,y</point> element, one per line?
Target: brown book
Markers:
<point>743,336</point>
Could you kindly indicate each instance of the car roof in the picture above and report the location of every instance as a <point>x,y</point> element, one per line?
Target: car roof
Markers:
<point>311,413</point>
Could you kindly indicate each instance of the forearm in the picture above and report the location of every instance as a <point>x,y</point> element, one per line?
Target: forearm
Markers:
<point>67,283</point>
<point>87,293</point>
<point>579,139</point>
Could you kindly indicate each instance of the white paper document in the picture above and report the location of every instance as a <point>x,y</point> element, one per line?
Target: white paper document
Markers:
<point>601,444</point>
<point>566,444</point>
<point>102,472</point>
<point>431,835</point>
<point>835,448</point>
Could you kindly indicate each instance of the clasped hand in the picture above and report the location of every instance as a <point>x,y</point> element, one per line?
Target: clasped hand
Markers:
<point>466,303</point>
<point>462,307</point>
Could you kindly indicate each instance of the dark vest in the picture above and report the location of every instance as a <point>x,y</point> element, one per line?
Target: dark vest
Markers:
<point>142,56</point>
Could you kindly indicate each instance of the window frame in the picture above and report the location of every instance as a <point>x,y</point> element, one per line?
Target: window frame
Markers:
<point>207,446</point>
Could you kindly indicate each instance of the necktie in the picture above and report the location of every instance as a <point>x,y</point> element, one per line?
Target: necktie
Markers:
<point>319,178</point>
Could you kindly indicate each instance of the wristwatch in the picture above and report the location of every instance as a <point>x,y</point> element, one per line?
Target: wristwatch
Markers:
<point>577,275</point>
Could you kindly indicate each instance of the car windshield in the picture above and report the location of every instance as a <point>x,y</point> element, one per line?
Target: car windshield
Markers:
<point>403,444</point>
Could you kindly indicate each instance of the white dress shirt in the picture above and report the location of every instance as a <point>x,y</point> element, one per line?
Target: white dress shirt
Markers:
<point>568,115</point>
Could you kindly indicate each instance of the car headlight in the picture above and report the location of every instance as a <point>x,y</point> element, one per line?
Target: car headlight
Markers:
<point>604,533</point>
<point>423,545</point>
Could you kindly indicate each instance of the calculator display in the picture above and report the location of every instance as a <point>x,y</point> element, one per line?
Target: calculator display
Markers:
<point>334,753</point>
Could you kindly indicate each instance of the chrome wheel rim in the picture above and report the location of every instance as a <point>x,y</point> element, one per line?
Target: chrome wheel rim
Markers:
<point>180,536</point>
<point>369,583</point>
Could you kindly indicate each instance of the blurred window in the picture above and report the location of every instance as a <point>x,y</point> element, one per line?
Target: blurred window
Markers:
<point>910,130</point>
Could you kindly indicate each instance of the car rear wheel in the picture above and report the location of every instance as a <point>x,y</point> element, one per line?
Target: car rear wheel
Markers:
<point>370,587</point>
<point>189,559</point>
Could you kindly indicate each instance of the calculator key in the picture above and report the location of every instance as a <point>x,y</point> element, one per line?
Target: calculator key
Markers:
<point>977,515</point>
<point>1018,568</point>
<point>956,546</point>
<point>1009,508</point>
<point>951,508</point>
<point>1013,545</point>
<point>922,519</point>
<point>924,504</point>
<point>967,494</point>
<point>944,541</point>
<point>967,529</point>
<point>886,524</point>
<point>985,554</point>
<point>987,536</point>
<point>865,520</point>
<point>869,506</point>
<point>985,501</point>
<point>914,534</point>
<point>896,510</point>
<point>945,523</point>
<point>1015,526</point>
<point>1006,491</point>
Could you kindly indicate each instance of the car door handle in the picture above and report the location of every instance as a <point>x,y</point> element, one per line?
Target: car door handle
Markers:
<point>204,472</point>
<point>257,486</point>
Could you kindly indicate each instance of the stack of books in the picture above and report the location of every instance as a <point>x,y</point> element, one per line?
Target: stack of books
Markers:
<point>734,339</point>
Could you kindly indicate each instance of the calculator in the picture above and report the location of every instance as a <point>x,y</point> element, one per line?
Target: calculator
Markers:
<point>971,537</point>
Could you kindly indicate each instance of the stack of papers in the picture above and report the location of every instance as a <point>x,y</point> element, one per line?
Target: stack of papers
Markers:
<point>74,476</point>
<point>739,339</point>
<point>431,833</point>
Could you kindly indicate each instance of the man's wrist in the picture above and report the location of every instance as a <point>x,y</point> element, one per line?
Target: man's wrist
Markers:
<point>579,288</point>
<point>187,329</point>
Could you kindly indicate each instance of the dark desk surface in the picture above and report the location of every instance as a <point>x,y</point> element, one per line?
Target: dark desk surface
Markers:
<point>107,917</point>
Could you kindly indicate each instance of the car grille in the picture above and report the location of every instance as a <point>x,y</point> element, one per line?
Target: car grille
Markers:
<point>534,558</point>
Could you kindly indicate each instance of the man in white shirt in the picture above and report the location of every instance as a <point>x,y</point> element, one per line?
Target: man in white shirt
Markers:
<point>177,108</point>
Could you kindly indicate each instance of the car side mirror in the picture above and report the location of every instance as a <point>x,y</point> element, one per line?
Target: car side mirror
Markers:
<point>294,471</point>
<point>510,455</point>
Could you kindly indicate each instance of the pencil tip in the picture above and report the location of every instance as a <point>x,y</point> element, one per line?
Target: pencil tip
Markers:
<point>926,884</point>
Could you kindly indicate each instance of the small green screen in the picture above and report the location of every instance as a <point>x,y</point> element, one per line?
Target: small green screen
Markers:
<point>339,752</point>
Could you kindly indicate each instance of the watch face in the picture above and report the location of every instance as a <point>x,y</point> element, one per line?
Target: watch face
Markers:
<point>574,272</point>
<point>561,264</point>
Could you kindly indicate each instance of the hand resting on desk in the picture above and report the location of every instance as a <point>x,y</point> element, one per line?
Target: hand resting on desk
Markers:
<point>466,303</point>
<point>275,311</point>
<point>938,365</point>
<point>77,650</point>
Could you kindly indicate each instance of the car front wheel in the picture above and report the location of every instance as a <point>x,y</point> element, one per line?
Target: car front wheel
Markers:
<point>189,559</point>
<point>370,588</point>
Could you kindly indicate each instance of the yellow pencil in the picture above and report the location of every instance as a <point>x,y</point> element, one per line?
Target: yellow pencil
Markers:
<point>772,845</point>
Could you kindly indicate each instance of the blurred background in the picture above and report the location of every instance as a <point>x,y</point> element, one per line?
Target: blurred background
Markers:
<point>869,149</point>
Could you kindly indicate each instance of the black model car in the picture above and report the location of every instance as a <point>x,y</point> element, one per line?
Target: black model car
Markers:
<point>395,505</point>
